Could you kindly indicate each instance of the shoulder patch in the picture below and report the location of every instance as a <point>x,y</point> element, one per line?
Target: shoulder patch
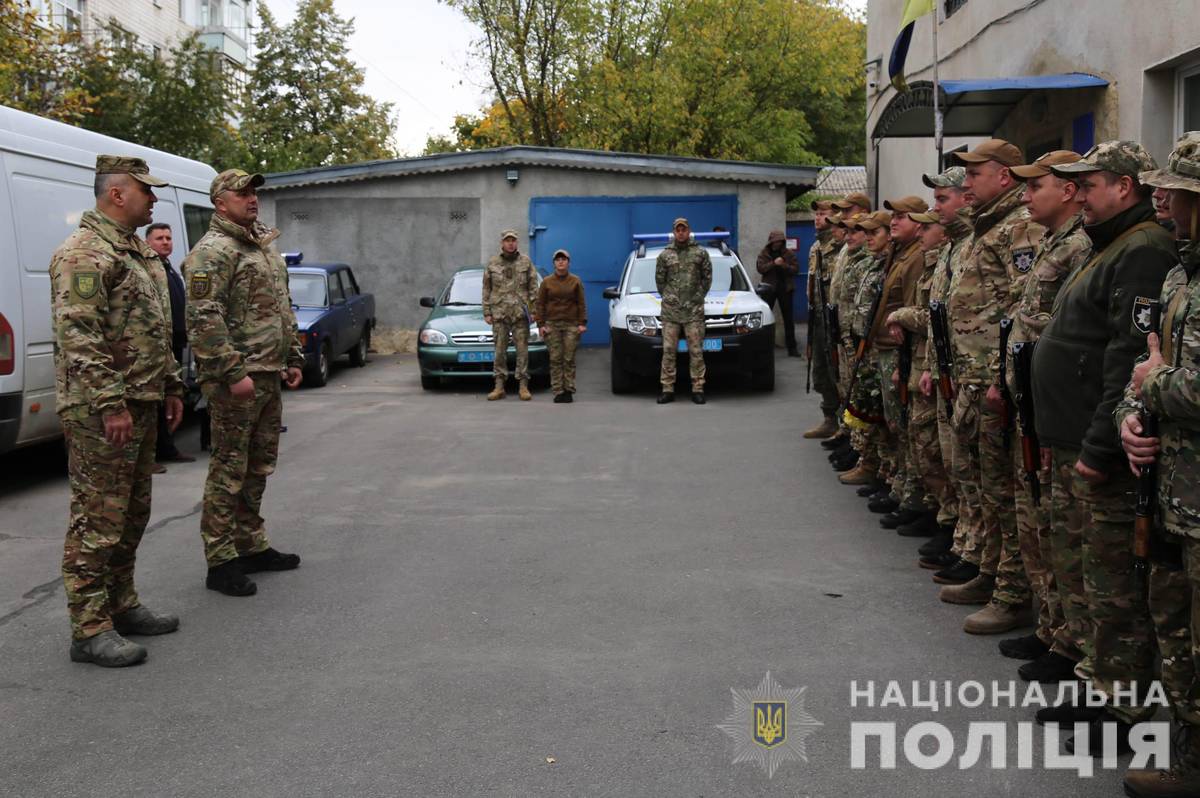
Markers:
<point>1023,259</point>
<point>1141,314</point>
<point>85,285</point>
<point>199,285</point>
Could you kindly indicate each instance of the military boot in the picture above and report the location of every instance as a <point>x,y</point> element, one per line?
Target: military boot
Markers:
<point>836,442</point>
<point>847,462</point>
<point>823,430</point>
<point>497,392</point>
<point>1028,647</point>
<point>268,560</point>
<point>144,621</point>
<point>940,543</point>
<point>1181,781</point>
<point>108,650</point>
<point>958,574</point>
<point>858,476</point>
<point>998,617</point>
<point>523,391</point>
<point>1093,742</point>
<point>922,527</point>
<point>1049,667</point>
<point>887,504</point>
<point>977,591</point>
<point>898,518</point>
<point>228,578</point>
<point>936,562</point>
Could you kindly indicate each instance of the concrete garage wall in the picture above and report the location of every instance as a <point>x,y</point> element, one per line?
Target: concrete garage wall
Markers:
<point>399,234</point>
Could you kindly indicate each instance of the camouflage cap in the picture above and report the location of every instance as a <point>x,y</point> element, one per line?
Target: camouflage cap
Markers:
<point>835,219</point>
<point>510,234</point>
<point>1119,157</point>
<point>874,221</point>
<point>855,199</point>
<point>910,204</point>
<point>124,165</point>
<point>1042,165</point>
<point>951,178</point>
<point>998,150</point>
<point>233,180</point>
<point>926,217</point>
<point>561,253</point>
<point>1183,166</point>
<point>821,205</point>
<point>681,221</point>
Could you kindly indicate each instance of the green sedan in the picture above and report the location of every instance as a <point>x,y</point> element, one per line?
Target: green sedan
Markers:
<point>455,341</point>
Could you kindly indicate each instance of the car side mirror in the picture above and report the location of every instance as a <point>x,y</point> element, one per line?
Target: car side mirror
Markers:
<point>427,301</point>
<point>612,293</point>
<point>766,293</point>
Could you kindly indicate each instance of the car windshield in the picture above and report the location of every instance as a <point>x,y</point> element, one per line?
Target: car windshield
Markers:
<point>726,275</point>
<point>308,290</point>
<point>465,289</point>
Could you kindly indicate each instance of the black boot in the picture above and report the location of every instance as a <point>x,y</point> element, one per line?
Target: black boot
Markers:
<point>268,560</point>
<point>229,579</point>
<point>1048,668</point>
<point>698,397</point>
<point>936,562</point>
<point>1095,736</point>
<point>849,461</point>
<point>1078,712</point>
<point>869,491</point>
<point>1029,647</point>
<point>940,543</point>
<point>836,442</point>
<point>885,505</point>
<point>958,574</point>
<point>898,518</point>
<point>923,527</point>
<point>666,397</point>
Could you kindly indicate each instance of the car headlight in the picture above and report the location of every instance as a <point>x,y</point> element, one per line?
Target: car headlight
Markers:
<point>745,322</point>
<point>429,336</point>
<point>534,335</point>
<point>642,325</point>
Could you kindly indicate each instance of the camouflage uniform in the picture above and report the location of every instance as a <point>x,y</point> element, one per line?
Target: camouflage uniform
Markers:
<point>240,323</point>
<point>982,292</point>
<point>562,309</point>
<point>509,292</point>
<point>820,267</point>
<point>865,402</point>
<point>112,353</point>
<point>683,275</point>
<point>1051,555</point>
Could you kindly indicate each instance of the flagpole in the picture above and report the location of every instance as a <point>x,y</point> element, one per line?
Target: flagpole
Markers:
<point>937,110</point>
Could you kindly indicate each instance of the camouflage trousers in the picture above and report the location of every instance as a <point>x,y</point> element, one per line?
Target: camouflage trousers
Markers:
<point>1033,537</point>
<point>245,448</point>
<point>110,505</point>
<point>925,453</point>
<point>906,480</point>
<point>504,330</point>
<point>1174,606</point>
<point>991,469</point>
<point>967,535</point>
<point>562,338</point>
<point>1068,518</point>
<point>1122,631</point>
<point>824,375</point>
<point>693,332</point>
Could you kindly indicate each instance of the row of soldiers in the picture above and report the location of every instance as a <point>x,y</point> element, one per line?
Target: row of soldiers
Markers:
<point>1014,373</point>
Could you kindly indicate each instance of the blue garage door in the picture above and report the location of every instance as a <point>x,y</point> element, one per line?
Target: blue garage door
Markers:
<point>598,232</point>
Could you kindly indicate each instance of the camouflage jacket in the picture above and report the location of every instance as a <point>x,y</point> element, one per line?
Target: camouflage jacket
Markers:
<point>906,263</point>
<point>986,284</point>
<point>1172,392</point>
<point>853,263</point>
<point>239,312</point>
<point>915,317</point>
<point>111,320</point>
<point>870,279</point>
<point>822,258</point>
<point>836,262</point>
<point>1098,328</point>
<point>510,287</point>
<point>949,258</point>
<point>683,275</point>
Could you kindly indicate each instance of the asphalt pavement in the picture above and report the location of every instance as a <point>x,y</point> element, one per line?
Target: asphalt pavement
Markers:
<point>508,599</point>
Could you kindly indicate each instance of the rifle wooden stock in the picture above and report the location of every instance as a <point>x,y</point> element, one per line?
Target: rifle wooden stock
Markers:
<point>1147,483</point>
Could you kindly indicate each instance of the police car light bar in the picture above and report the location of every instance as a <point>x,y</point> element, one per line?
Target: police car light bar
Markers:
<point>293,258</point>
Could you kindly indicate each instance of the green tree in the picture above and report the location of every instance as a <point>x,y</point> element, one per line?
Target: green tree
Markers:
<point>41,65</point>
<point>304,105</point>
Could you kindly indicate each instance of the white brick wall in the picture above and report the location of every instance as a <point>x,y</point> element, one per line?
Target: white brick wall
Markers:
<point>154,22</point>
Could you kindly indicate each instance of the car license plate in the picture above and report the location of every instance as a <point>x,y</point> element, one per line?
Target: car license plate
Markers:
<point>476,357</point>
<point>710,345</point>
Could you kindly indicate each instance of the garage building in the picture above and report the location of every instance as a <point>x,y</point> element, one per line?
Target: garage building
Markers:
<point>405,225</point>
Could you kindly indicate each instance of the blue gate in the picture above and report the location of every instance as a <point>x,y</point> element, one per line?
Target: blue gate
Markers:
<point>598,232</point>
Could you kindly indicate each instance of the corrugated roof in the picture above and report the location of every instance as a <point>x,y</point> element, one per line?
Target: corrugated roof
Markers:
<point>800,177</point>
<point>841,180</point>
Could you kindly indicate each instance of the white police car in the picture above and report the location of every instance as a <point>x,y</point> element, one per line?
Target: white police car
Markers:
<point>739,326</point>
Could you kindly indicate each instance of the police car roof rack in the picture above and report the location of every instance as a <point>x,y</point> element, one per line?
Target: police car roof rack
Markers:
<point>293,258</point>
<point>721,239</point>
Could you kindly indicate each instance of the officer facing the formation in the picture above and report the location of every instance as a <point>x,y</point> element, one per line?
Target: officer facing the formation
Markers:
<point>113,364</point>
<point>778,266</point>
<point>1080,368</point>
<point>562,318</point>
<point>1164,384</point>
<point>683,275</point>
<point>509,294</point>
<point>243,333</point>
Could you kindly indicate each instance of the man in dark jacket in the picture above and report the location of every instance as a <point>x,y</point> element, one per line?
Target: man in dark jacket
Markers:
<point>778,266</point>
<point>1081,365</point>
<point>158,236</point>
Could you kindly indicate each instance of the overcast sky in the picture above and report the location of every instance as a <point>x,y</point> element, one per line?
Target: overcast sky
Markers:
<point>415,56</point>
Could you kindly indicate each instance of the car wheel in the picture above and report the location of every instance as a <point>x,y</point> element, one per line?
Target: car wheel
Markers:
<point>622,380</point>
<point>320,373</point>
<point>764,379</point>
<point>358,355</point>
<point>429,382</point>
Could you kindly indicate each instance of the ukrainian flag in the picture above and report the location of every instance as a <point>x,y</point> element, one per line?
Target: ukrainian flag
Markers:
<point>913,10</point>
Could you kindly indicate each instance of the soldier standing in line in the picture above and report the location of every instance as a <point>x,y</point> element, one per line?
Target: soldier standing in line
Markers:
<point>243,333</point>
<point>683,275</point>
<point>113,366</point>
<point>981,295</point>
<point>562,318</point>
<point>1051,557</point>
<point>820,268</point>
<point>509,294</point>
<point>850,446</point>
<point>1165,384</point>
<point>1081,366</point>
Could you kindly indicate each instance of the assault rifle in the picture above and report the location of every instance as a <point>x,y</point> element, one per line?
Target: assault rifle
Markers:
<point>1031,453</point>
<point>905,368</point>
<point>940,322</point>
<point>1147,487</point>
<point>1006,402</point>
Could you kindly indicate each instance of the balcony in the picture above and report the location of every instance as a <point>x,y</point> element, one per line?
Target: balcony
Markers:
<point>225,43</point>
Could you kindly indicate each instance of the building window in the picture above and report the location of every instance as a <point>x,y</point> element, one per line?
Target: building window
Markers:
<point>954,5</point>
<point>1187,99</point>
<point>66,14</point>
<point>235,17</point>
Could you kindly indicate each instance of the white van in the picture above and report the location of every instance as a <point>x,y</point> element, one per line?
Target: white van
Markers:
<point>46,177</point>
